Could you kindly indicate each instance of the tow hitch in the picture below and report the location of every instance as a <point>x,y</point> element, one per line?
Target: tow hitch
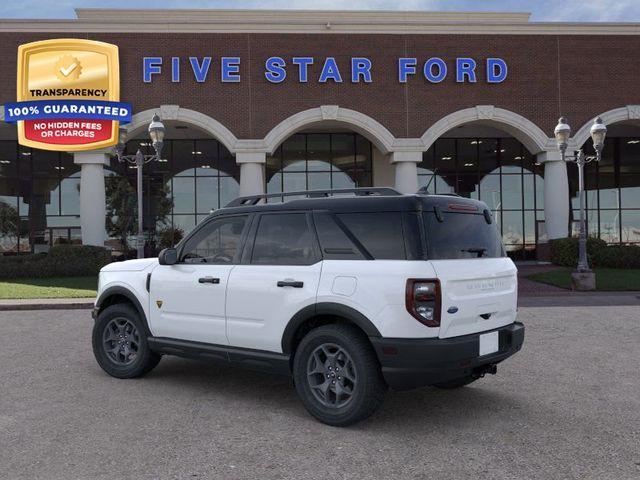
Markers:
<point>480,372</point>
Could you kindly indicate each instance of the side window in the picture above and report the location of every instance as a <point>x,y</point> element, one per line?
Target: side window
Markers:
<point>284,239</point>
<point>380,233</point>
<point>334,242</point>
<point>217,243</point>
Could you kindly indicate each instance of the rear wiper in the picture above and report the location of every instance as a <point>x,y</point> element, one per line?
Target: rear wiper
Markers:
<point>479,251</point>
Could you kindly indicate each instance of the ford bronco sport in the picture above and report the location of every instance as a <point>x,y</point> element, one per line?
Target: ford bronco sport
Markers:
<point>349,291</point>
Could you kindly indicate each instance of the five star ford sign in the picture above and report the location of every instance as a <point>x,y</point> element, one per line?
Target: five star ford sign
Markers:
<point>68,95</point>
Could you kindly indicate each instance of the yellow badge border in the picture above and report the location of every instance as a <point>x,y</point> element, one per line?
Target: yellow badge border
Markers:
<point>63,44</point>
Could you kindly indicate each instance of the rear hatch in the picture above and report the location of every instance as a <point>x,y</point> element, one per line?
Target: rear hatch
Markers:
<point>478,283</point>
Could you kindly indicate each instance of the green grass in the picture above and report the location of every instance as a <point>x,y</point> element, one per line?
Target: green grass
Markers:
<point>69,287</point>
<point>607,279</point>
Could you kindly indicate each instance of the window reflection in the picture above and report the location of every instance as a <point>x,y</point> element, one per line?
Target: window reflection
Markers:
<point>320,161</point>
<point>612,191</point>
<point>498,171</point>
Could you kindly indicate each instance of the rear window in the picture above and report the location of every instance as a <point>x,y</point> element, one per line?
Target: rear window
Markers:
<point>461,235</point>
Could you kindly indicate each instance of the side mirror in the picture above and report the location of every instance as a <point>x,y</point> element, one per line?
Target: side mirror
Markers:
<point>168,256</point>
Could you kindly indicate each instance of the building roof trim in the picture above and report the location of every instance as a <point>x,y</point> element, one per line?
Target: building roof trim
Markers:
<point>311,21</point>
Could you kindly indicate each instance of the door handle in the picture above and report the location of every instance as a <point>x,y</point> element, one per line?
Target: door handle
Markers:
<point>209,280</point>
<point>290,283</point>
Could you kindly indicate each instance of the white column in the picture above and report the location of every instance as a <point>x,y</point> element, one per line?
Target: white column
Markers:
<point>406,170</point>
<point>93,208</point>
<point>556,194</point>
<point>251,172</point>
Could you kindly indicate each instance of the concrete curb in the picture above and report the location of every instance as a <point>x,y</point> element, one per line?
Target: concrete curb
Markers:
<point>47,304</point>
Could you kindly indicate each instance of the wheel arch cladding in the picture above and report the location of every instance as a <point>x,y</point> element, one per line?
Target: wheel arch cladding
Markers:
<point>322,314</point>
<point>116,295</point>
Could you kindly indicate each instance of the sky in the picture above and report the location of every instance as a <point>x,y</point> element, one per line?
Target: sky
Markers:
<point>542,10</point>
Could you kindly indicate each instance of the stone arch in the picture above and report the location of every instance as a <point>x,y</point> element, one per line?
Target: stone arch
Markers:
<point>374,131</point>
<point>527,132</point>
<point>622,114</point>
<point>141,120</point>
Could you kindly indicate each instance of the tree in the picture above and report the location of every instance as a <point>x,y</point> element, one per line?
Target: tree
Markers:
<point>122,208</point>
<point>9,221</point>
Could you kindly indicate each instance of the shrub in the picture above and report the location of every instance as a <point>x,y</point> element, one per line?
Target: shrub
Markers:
<point>61,261</point>
<point>169,237</point>
<point>618,256</point>
<point>564,252</point>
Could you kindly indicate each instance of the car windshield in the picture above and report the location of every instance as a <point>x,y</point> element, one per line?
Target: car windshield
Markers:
<point>461,235</point>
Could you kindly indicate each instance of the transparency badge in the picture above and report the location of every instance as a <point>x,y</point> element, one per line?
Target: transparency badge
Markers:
<point>68,95</point>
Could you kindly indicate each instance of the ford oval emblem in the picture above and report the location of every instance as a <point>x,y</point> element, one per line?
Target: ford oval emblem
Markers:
<point>452,310</point>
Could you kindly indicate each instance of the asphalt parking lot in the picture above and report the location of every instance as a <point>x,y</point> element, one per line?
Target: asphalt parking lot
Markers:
<point>568,406</point>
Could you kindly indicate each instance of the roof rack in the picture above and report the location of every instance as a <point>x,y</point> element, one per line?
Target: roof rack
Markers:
<point>359,192</point>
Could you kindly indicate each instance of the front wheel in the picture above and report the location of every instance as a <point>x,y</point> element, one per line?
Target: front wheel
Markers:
<point>120,343</point>
<point>337,375</point>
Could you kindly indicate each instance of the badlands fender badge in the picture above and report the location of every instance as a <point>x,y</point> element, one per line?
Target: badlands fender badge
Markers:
<point>159,303</point>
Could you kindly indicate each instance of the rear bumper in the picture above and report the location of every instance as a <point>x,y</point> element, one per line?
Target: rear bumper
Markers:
<point>411,363</point>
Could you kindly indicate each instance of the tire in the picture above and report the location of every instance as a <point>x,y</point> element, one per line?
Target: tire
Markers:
<point>455,383</point>
<point>130,356</point>
<point>323,351</point>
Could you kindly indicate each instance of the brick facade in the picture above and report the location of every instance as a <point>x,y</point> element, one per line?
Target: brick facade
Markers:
<point>574,75</point>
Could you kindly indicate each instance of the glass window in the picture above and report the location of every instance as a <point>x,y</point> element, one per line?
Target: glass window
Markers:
<point>445,156</point>
<point>206,194</point>
<point>70,196</point>
<point>461,235</point>
<point>334,241</point>
<point>512,192</point>
<point>218,242</point>
<point>229,189</point>
<point>184,222</point>
<point>468,186</point>
<point>294,153</point>
<point>512,228</point>
<point>629,155</point>
<point>182,160</point>
<point>630,190</point>
<point>343,151</point>
<point>487,155</point>
<point>313,161</point>
<point>511,155</point>
<point>467,154</point>
<point>45,163</point>
<point>490,192</point>
<point>318,152</point>
<point>379,233</point>
<point>631,226</point>
<point>284,239</point>
<point>205,154</point>
<point>8,159</point>
<point>610,226</point>
<point>183,195</point>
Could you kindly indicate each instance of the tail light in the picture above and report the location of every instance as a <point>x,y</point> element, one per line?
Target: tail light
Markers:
<point>423,301</point>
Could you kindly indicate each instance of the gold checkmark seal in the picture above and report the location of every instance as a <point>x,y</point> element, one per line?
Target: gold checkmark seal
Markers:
<point>68,68</point>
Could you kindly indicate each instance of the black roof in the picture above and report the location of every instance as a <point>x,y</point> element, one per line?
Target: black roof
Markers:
<point>374,203</point>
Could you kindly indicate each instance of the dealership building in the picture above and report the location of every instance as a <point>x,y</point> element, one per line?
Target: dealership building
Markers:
<point>277,101</point>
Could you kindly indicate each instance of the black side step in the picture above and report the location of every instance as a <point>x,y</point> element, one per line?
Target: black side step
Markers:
<point>263,361</point>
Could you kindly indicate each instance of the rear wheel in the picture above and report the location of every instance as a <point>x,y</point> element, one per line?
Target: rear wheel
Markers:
<point>456,383</point>
<point>337,375</point>
<point>120,343</point>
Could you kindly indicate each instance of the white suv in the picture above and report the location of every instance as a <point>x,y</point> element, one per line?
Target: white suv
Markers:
<point>348,294</point>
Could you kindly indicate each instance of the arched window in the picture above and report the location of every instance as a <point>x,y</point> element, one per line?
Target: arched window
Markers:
<point>315,161</point>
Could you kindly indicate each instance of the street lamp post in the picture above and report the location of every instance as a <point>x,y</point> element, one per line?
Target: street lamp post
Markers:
<point>562,133</point>
<point>156,133</point>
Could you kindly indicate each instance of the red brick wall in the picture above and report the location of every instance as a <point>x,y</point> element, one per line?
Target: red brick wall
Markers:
<point>578,76</point>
